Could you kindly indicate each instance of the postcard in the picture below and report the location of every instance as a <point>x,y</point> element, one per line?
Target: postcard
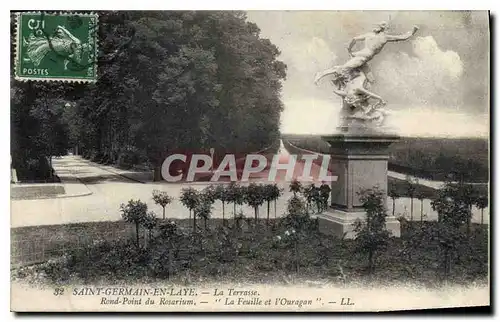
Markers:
<point>249,161</point>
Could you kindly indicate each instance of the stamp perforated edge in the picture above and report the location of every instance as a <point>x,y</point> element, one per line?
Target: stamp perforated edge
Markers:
<point>55,79</point>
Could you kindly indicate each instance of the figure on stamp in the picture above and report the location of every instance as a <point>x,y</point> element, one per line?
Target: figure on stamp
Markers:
<point>62,43</point>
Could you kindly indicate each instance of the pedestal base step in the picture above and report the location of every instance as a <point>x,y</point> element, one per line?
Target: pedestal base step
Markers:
<point>340,223</point>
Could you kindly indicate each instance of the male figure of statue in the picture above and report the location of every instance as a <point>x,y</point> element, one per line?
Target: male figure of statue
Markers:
<point>374,42</point>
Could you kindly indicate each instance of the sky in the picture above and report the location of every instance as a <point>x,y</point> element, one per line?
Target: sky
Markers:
<point>436,84</point>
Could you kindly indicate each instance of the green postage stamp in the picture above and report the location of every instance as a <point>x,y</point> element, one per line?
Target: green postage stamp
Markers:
<point>56,47</point>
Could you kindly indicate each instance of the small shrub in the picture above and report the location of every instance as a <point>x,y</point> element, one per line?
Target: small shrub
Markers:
<point>190,199</point>
<point>297,216</point>
<point>254,197</point>
<point>221,194</point>
<point>271,193</point>
<point>149,223</point>
<point>325,191</point>
<point>295,187</point>
<point>161,198</point>
<point>135,211</point>
<point>203,209</point>
<point>371,234</point>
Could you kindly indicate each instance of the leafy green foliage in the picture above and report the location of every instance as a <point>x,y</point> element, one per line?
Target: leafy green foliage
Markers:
<point>297,216</point>
<point>393,193</point>
<point>271,192</point>
<point>221,193</point>
<point>274,192</point>
<point>454,207</point>
<point>296,206</point>
<point>482,203</point>
<point>204,207</point>
<point>313,197</point>
<point>190,198</point>
<point>250,254</point>
<point>161,198</point>
<point>150,221</point>
<point>135,211</point>
<point>295,187</point>
<point>324,191</point>
<point>235,194</point>
<point>255,197</point>
<point>210,193</point>
<point>453,204</point>
<point>371,234</point>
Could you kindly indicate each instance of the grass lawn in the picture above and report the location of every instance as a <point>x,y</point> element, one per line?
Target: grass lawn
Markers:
<point>35,192</point>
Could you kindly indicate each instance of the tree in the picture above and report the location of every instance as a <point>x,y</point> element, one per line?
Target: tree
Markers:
<point>325,191</point>
<point>170,233</point>
<point>469,195</point>
<point>295,187</point>
<point>254,197</point>
<point>231,196</point>
<point>221,194</point>
<point>312,194</point>
<point>209,63</point>
<point>464,195</point>
<point>371,234</point>
<point>149,222</point>
<point>162,198</point>
<point>411,186</point>
<point>297,216</point>
<point>238,219</point>
<point>135,211</point>
<point>203,208</point>
<point>235,194</point>
<point>267,196</point>
<point>38,130</point>
<point>482,203</point>
<point>275,194</point>
<point>297,221</point>
<point>190,199</point>
<point>452,206</point>
<point>209,193</point>
<point>421,197</point>
<point>393,194</point>
<point>271,193</point>
<point>296,206</point>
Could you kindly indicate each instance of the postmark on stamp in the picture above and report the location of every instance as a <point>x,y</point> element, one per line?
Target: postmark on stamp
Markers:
<point>56,47</point>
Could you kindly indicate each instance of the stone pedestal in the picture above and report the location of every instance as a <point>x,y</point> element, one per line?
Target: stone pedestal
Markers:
<point>359,158</point>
